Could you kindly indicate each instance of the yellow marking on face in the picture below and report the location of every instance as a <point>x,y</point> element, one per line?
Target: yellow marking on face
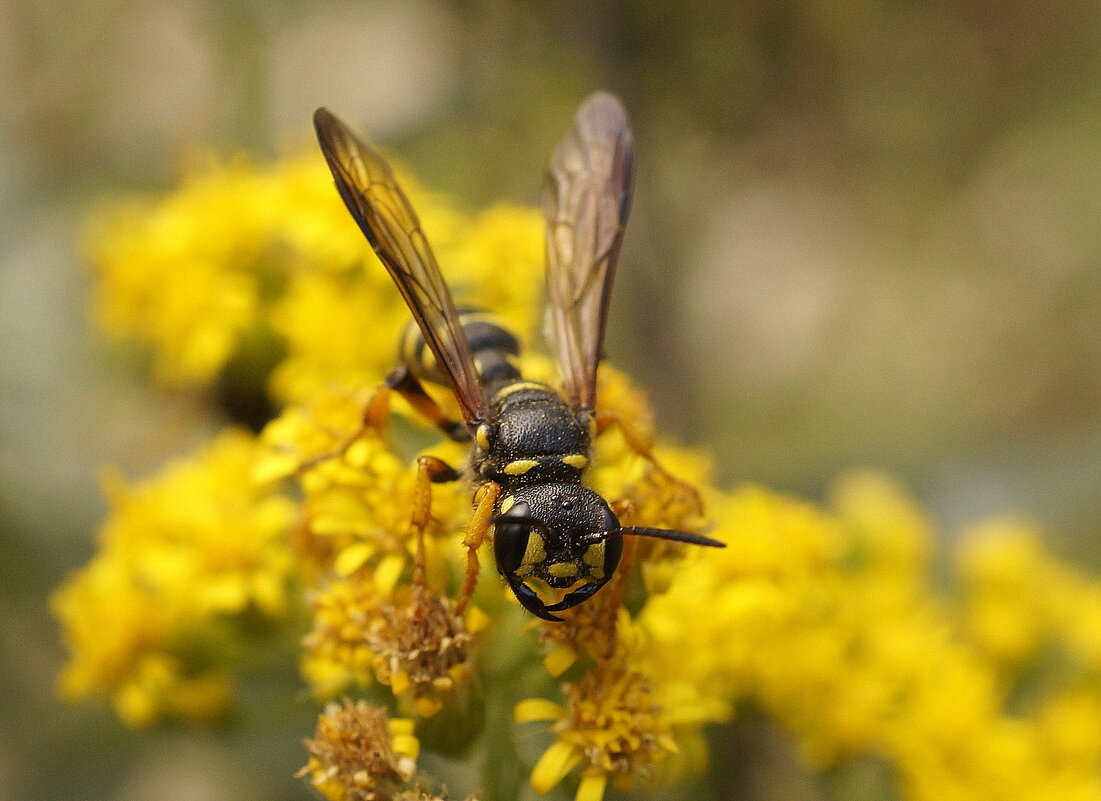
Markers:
<point>481,436</point>
<point>517,387</point>
<point>594,555</point>
<point>596,572</point>
<point>519,467</point>
<point>536,551</point>
<point>523,570</point>
<point>506,503</point>
<point>577,460</point>
<point>562,569</point>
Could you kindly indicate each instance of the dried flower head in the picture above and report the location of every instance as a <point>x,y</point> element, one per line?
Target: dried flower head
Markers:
<point>359,754</point>
<point>418,794</point>
<point>422,647</point>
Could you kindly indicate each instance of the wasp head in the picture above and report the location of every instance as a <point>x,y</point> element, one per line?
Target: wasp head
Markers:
<point>561,534</point>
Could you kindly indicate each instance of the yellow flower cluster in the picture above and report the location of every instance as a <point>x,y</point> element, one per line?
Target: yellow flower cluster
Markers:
<point>187,561</point>
<point>826,619</point>
<point>244,253</point>
<point>828,622</point>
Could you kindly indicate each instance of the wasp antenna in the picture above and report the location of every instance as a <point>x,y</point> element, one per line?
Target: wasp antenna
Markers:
<point>670,534</point>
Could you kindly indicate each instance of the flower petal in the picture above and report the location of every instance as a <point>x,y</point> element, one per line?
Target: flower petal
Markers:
<point>556,762</point>
<point>352,558</point>
<point>559,660</point>
<point>592,786</point>
<point>537,709</point>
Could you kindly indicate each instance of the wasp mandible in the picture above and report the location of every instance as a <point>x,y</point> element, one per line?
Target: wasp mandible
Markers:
<point>529,442</point>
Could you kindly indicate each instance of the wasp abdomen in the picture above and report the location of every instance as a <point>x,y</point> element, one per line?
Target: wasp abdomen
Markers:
<point>494,348</point>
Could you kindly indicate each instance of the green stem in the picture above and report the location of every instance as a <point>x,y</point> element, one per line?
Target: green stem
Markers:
<point>507,660</point>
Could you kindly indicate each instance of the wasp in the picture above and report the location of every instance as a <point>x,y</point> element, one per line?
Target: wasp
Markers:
<point>529,442</point>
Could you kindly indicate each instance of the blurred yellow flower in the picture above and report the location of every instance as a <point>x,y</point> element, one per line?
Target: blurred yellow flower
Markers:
<point>181,556</point>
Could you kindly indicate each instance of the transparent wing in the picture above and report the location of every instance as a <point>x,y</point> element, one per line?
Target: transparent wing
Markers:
<point>367,185</point>
<point>586,197</point>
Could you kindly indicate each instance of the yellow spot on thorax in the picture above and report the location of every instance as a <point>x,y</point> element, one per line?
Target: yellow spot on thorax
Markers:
<point>576,460</point>
<point>519,467</point>
<point>481,436</point>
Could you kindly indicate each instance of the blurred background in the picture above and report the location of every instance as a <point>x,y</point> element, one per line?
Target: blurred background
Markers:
<point>864,234</point>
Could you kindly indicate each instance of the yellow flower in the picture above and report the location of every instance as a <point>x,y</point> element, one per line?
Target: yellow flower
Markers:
<point>242,248</point>
<point>1005,577</point>
<point>181,554</point>
<point>178,273</point>
<point>418,647</point>
<point>612,723</point>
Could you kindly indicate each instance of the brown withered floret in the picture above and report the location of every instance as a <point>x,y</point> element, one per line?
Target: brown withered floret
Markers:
<point>352,757</point>
<point>422,647</point>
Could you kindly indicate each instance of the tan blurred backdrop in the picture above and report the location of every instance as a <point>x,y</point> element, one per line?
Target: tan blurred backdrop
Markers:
<point>864,234</point>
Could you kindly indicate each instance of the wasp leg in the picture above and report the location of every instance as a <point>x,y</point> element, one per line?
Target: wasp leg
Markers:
<point>485,502</point>
<point>402,381</point>
<point>373,418</point>
<point>430,470</point>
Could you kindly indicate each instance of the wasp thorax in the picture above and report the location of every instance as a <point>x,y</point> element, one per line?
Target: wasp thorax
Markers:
<point>532,437</point>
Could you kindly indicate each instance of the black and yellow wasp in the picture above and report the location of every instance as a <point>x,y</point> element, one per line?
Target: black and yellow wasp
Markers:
<point>529,442</point>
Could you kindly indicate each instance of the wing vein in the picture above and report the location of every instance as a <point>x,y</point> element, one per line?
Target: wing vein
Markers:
<point>380,208</point>
<point>586,199</point>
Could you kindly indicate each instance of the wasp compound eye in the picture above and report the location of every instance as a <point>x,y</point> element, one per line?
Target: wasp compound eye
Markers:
<point>516,541</point>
